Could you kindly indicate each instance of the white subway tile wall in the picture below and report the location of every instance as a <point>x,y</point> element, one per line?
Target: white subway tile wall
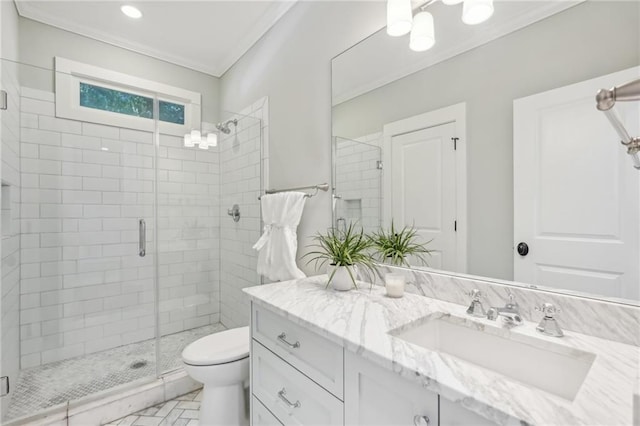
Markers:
<point>10,200</point>
<point>85,186</point>
<point>359,181</point>
<point>244,159</point>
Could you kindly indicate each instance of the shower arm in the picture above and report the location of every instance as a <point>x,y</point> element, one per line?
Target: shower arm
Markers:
<point>605,101</point>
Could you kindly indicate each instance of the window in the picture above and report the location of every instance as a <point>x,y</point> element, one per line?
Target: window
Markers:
<point>105,99</point>
<point>88,93</point>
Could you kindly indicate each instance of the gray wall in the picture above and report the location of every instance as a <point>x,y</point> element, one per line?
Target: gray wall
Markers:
<point>292,65</point>
<point>555,52</point>
<point>40,43</point>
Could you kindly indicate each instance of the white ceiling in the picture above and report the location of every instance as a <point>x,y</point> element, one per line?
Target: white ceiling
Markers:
<point>207,36</point>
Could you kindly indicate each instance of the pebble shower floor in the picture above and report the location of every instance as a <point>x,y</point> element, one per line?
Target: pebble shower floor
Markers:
<point>55,383</point>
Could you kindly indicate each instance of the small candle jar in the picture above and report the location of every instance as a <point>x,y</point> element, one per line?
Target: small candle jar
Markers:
<point>394,284</point>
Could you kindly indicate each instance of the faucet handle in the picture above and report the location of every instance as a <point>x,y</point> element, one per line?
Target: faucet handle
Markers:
<point>475,294</point>
<point>548,309</point>
<point>512,301</point>
<point>548,324</point>
<point>475,308</point>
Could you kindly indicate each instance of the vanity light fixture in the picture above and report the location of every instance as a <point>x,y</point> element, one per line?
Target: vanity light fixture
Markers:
<point>131,11</point>
<point>400,19</point>
<point>195,138</point>
<point>476,11</point>
<point>422,33</point>
<point>212,139</point>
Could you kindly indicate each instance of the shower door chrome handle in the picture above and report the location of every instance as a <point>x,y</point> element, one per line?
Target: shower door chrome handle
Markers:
<point>142,235</point>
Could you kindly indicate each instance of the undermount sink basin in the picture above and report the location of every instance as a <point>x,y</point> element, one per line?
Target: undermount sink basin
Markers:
<point>551,367</point>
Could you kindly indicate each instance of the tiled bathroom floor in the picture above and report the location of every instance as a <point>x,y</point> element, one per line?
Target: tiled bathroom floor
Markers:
<point>182,411</point>
<point>55,383</point>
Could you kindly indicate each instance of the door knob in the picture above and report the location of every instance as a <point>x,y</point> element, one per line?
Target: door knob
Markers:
<point>523,249</point>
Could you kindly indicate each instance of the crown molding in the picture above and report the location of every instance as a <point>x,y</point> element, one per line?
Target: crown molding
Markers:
<point>273,15</point>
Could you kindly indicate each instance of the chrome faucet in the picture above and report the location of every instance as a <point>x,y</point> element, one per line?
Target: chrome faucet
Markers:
<point>548,324</point>
<point>510,313</point>
<point>475,308</point>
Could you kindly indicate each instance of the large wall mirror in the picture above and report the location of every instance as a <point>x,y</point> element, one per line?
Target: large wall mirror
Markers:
<point>491,146</point>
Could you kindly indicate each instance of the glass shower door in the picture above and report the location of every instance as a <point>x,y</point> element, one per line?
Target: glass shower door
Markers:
<point>87,308</point>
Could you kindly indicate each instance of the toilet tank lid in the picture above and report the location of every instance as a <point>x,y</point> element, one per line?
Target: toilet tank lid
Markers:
<point>218,348</point>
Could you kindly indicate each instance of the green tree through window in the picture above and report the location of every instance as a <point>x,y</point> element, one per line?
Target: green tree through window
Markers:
<point>112,100</point>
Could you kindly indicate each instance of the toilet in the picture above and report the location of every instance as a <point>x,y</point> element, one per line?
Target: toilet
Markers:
<point>220,362</point>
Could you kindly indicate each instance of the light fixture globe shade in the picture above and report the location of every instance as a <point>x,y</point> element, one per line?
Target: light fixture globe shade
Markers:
<point>451,2</point>
<point>131,11</point>
<point>399,17</point>
<point>188,143</point>
<point>212,139</point>
<point>476,11</point>
<point>195,136</point>
<point>422,34</point>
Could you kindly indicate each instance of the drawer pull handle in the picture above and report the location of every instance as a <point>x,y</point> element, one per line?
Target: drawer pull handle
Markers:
<point>283,338</point>
<point>282,396</point>
<point>421,421</point>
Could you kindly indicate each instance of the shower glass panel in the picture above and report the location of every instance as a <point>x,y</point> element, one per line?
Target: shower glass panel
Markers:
<point>357,183</point>
<point>205,257</point>
<point>242,153</point>
<point>10,229</point>
<point>87,298</point>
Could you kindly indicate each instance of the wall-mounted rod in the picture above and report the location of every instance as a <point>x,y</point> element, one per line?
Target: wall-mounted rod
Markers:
<point>606,99</point>
<point>319,187</point>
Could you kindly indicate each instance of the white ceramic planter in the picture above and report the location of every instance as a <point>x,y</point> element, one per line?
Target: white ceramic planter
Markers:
<point>394,284</point>
<point>341,279</point>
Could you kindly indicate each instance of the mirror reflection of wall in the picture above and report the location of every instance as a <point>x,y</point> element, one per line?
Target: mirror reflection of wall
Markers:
<point>581,43</point>
<point>358,182</point>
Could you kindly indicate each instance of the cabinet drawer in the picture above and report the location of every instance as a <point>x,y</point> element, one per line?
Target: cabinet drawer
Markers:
<point>260,416</point>
<point>291,396</point>
<point>315,356</point>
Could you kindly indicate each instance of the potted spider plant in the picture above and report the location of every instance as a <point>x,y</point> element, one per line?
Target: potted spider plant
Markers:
<point>394,246</point>
<point>343,252</point>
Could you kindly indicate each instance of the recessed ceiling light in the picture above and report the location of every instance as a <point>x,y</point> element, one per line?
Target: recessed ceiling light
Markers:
<point>131,12</point>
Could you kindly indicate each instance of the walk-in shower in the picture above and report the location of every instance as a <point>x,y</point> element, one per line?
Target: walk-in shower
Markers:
<point>82,310</point>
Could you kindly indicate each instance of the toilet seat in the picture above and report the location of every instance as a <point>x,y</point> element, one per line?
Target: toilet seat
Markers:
<point>218,348</point>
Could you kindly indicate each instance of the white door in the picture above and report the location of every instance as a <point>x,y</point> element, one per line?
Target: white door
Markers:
<point>576,193</point>
<point>423,194</point>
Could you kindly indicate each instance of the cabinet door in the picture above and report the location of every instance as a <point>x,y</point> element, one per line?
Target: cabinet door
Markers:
<point>452,414</point>
<point>375,396</point>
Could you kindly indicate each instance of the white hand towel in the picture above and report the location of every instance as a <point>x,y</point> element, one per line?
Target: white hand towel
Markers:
<point>278,244</point>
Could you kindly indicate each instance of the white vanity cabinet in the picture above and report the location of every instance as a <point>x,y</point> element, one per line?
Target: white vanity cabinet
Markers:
<point>452,414</point>
<point>260,416</point>
<point>375,396</point>
<point>296,374</point>
<point>301,378</point>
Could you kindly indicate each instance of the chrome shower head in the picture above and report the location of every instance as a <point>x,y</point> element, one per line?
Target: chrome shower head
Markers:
<point>224,127</point>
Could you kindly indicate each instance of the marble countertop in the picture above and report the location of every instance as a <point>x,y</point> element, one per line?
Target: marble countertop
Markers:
<point>360,320</point>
